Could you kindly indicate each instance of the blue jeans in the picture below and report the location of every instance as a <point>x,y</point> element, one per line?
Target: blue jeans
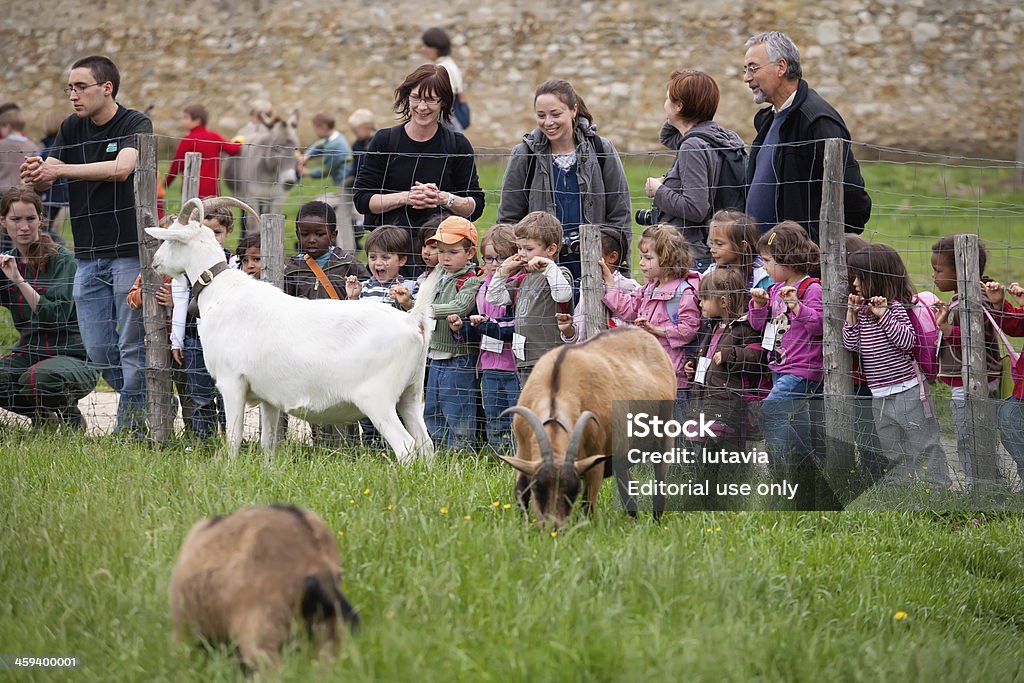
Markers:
<point>206,406</point>
<point>788,418</point>
<point>451,398</point>
<point>500,391</point>
<point>113,333</point>
<point>1011,430</point>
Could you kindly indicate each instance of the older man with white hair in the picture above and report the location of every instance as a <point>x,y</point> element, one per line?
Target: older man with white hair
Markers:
<point>785,169</point>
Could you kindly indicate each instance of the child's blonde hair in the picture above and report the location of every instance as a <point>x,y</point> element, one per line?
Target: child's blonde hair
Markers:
<point>361,117</point>
<point>671,248</point>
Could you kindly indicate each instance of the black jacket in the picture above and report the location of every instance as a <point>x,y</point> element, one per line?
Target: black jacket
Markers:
<point>811,121</point>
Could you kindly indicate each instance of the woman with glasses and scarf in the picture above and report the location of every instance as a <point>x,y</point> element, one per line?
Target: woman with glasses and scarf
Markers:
<point>564,168</point>
<point>419,167</point>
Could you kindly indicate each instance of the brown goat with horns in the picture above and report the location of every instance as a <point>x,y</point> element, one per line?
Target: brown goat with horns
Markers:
<point>243,578</point>
<point>573,387</point>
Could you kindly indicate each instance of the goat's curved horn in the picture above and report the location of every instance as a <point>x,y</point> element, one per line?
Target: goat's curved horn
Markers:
<point>213,203</point>
<point>543,442</point>
<point>577,436</point>
<point>190,207</point>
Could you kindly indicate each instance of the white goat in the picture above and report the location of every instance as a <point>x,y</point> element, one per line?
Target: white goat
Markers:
<point>323,361</point>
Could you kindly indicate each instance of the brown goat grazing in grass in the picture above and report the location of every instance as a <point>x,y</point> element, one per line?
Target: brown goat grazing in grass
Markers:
<point>563,420</point>
<point>243,578</point>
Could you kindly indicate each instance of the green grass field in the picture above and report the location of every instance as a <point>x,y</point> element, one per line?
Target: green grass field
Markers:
<point>453,584</point>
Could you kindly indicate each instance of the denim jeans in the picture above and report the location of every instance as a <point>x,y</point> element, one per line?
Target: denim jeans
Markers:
<point>1011,431</point>
<point>113,333</point>
<point>451,398</point>
<point>206,410</point>
<point>500,390</point>
<point>789,415</point>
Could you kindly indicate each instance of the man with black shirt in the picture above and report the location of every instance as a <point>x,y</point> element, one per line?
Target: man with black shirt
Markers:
<point>96,150</point>
<point>785,167</point>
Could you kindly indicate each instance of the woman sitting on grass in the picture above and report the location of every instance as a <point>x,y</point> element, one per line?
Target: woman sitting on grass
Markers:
<point>47,371</point>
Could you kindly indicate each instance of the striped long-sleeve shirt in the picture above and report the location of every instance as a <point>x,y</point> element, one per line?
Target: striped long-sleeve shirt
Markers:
<point>884,345</point>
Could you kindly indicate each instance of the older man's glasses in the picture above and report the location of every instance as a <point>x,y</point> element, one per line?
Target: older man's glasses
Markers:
<point>79,88</point>
<point>754,68</point>
<point>416,100</point>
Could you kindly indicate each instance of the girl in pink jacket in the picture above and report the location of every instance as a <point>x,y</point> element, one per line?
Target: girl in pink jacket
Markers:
<point>666,306</point>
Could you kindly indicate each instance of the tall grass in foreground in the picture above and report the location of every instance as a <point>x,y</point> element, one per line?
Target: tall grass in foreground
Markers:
<point>454,584</point>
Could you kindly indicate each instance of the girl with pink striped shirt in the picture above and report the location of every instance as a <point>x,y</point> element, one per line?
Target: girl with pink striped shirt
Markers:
<point>879,329</point>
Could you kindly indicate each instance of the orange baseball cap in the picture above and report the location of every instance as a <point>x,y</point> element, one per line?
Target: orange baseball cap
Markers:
<point>453,230</point>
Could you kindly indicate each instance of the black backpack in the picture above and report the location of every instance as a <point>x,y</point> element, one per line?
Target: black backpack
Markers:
<point>729,191</point>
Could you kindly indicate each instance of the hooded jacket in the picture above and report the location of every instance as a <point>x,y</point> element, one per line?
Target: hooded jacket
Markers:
<point>603,183</point>
<point>684,199</point>
<point>799,162</point>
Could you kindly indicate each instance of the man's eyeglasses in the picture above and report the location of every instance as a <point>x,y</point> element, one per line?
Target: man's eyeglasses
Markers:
<point>79,88</point>
<point>754,68</point>
<point>429,101</point>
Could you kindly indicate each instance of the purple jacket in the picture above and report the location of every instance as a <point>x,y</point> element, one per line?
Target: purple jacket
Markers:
<point>799,349</point>
<point>650,301</point>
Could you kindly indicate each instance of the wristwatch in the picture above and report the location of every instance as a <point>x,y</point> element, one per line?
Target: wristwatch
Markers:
<point>451,201</point>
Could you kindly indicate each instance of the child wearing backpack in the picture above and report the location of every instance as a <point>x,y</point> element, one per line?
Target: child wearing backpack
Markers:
<point>879,329</point>
<point>730,369</point>
<point>1010,319</point>
<point>732,240</point>
<point>545,290</point>
<point>452,392</point>
<point>666,306</point>
<point>982,449</point>
<point>789,315</point>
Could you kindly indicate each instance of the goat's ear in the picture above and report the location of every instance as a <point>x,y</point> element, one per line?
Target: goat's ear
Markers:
<point>585,464</point>
<point>159,233</point>
<point>527,467</point>
<point>176,233</point>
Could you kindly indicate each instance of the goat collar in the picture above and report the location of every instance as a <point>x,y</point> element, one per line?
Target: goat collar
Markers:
<point>201,283</point>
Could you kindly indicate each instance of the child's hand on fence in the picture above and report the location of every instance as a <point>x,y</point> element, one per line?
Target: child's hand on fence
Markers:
<point>689,370</point>
<point>994,292</point>
<point>400,294</point>
<point>510,265</point>
<point>759,297</point>
<point>878,306</point>
<point>537,264</point>
<point>854,302</point>
<point>645,324</point>
<point>455,323</point>
<point>789,297</point>
<point>163,296</point>
<point>941,311</point>
<point>565,325</point>
<point>1016,290</point>
<point>352,287</point>
<point>609,277</point>
<point>475,319</point>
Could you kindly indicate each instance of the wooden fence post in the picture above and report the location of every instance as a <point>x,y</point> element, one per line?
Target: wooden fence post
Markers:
<point>979,461</point>
<point>272,271</point>
<point>838,386</point>
<point>190,176</point>
<point>595,316</point>
<point>158,375</point>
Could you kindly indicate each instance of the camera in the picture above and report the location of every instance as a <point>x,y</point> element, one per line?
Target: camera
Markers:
<point>647,216</point>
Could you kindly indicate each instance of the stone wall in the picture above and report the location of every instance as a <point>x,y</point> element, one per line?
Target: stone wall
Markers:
<point>939,75</point>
